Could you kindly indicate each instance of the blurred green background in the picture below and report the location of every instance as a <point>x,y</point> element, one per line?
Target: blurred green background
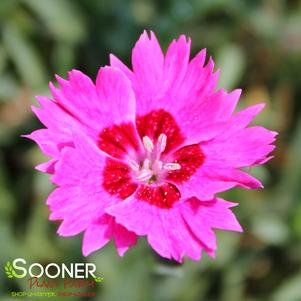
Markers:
<point>257,45</point>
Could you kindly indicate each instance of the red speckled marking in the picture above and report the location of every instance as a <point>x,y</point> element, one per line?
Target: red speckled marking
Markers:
<point>162,196</point>
<point>116,139</point>
<point>157,122</point>
<point>117,179</point>
<point>190,158</point>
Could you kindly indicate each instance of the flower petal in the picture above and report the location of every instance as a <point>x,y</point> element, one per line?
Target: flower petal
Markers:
<point>110,102</point>
<point>102,230</point>
<point>80,197</point>
<point>204,116</point>
<point>215,214</point>
<point>202,217</point>
<point>123,238</point>
<point>244,148</point>
<point>50,142</point>
<point>116,100</point>
<point>185,229</point>
<point>148,63</point>
<point>207,181</point>
<point>165,229</point>
<point>175,65</point>
<point>97,235</point>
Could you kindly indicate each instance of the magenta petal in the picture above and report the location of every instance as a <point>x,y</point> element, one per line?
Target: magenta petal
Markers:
<point>47,167</point>
<point>130,213</point>
<point>148,63</point>
<point>202,217</point>
<point>49,142</point>
<point>116,100</point>
<point>175,64</point>
<point>96,106</point>
<point>116,63</point>
<point>240,120</point>
<point>77,95</point>
<point>165,229</point>
<point>245,147</point>
<point>54,117</point>
<point>218,215</point>
<point>185,229</point>
<point>102,230</point>
<point>96,235</point>
<point>79,176</point>
<point>193,78</point>
<point>214,111</point>
<point>207,181</point>
<point>171,238</point>
<point>124,239</point>
<point>76,207</point>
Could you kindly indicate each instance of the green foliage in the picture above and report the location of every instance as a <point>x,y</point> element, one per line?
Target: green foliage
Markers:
<point>256,44</point>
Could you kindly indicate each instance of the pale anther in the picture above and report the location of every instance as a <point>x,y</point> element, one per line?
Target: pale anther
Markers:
<point>161,144</point>
<point>148,144</point>
<point>146,164</point>
<point>145,175</point>
<point>134,165</point>
<point>172,166</point>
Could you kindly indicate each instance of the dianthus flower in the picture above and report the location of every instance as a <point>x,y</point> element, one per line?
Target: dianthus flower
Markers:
<point>143,152</point>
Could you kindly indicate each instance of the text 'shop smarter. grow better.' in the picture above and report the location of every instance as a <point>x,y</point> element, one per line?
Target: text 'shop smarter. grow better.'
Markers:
<point>143,151</point>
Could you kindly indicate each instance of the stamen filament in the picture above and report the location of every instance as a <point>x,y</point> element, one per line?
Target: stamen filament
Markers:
<point>153,168</point>
<point>161,144</point>
<point>172,166</point>
<point>133,165</point>
<point>148,144</point>
<point>145,175</point>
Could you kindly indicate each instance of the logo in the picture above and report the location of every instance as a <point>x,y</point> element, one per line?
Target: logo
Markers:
<point>53,276</point>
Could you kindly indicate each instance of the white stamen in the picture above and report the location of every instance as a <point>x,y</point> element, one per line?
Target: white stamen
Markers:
<point>153,168</point>
<point>172,166</point>
<point>157,165</point>
<point>146,164</point>
<point>161,144</point>
<point>148,144</point>
<point>133,165</point>
<point>145,175</point>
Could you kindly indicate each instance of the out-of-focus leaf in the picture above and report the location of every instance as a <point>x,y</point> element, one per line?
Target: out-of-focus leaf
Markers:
<point>297,219</point>
<point>270,229</point>
<point>289,290</point>
<point>229,243</point>
<point>234,276</point>
<point>206,7</point>
<point>291,33</point>
<point>63,58</point>
<point>231,62</point>
<point>6,7</point>
<point>61,17</point>
<point>6,199</point>
<point>288,189</point>
<point>25,57</point>
<point>265,22</point>
<point>3,58</point>
<point>131,276</point>
<point>37,233</point>
<point>9,87</point>
<point>183,283</point>
<point>143,11</point>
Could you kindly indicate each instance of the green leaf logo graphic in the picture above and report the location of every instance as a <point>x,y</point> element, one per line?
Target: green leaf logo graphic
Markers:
<point>98,279</point>
<point>9,270</point>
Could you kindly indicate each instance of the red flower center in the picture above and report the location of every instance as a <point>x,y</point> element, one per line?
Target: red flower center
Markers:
<point>149,162</point>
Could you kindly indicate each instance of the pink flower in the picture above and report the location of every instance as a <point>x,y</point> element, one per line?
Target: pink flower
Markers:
<point>144,152</point>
